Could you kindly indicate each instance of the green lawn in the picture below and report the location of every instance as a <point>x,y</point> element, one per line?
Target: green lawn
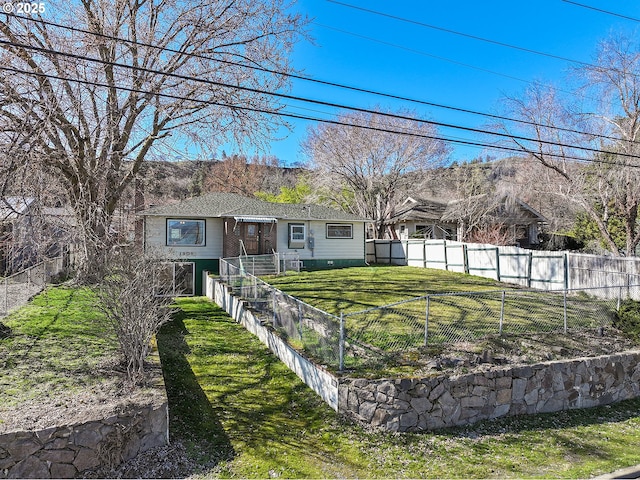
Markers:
<point>241,413</point>
<point>401,327</point>
<point>58,343</point>
<point>359,288</point>
<point>245,415</point>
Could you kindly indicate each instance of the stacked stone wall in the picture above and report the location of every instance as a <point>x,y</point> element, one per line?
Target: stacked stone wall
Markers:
<point>406,405</point>
<point>66,450</point>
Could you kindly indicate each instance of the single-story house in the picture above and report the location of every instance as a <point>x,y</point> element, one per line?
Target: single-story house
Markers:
<point>462,218</point>
<point>195,233</point>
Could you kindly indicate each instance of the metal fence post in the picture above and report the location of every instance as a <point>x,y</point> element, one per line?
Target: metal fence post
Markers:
<point>565,310</point>
<point>255,287</point>
<point>275,314</point>
<point>502,311</point>
<point>619,298</point>
<point>341,344</point>
<point>426,321</point>
<point>6,295</point>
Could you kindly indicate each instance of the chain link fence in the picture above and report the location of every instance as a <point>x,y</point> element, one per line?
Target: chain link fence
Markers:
<point>303,326</point>
<point>441,319</point>
<point>378,335</point>
<point>17,289</point>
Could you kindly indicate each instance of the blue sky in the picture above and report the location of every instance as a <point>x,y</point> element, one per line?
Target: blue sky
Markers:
<point>376,52</point>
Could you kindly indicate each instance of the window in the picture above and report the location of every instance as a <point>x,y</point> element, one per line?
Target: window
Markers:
<point>297,235</point>
<point>177,279</point>
<point>339,230</point>
<point>185,232</point>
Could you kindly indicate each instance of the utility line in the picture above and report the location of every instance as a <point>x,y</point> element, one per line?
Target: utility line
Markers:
<point>461,34</point>
<point>601,10</point>
<point>323,82</point>
<point>307,100</point>
<point>301,117</point>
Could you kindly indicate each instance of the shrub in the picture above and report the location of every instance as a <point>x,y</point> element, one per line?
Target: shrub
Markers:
<point>129,298</point>
<point>628,319</point>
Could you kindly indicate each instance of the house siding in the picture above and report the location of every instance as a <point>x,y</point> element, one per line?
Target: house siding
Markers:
<point>156,240</point>
<point>324,248</point>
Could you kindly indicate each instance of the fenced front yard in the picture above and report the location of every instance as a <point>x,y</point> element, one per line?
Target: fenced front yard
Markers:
<point>349,338</point>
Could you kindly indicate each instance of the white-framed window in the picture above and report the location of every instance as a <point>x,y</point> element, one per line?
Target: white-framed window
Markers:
<point>339,230</point>
<point>297,235</point>
<point>187,232</point>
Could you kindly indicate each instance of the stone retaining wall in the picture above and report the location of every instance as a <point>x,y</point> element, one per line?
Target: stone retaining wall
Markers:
<point>408,405</point>
<point>412,405</point>
<point>63,451</point>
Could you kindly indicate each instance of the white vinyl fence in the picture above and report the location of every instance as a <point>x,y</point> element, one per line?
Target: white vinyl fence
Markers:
<point>537,269</point>
<point>17,289</point>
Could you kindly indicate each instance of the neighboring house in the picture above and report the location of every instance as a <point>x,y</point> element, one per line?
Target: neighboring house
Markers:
<point>29,232</point>
<point>195,233</point>
<point>422,218</point>
<point>474,218</point>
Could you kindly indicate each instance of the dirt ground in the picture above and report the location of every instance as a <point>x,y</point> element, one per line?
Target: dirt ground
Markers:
<point>521,350</point>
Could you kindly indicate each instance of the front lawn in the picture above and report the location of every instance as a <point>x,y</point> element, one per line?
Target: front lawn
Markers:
<point>58,345</point>
<point>460,311</point>
<point>245,415</point>
<point>358,288</point>
<point>236,411</point>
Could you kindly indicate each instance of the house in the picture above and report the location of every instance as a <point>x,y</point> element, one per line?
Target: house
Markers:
<point>422,218</point>
<point>195,233</point>
<point>500,219</point>
<point>30,232</point>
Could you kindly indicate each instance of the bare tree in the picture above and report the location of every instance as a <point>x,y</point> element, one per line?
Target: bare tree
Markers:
<point>599,170</point>
<point>237,174</point>
<point>130,297</point>
<point>89,104</point>
<point>362,163</point>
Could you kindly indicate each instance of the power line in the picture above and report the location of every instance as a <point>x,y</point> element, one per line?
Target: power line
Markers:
<point>462,34</point>
<point>301,117</point>
<point>474,67</point>
<point>307,100</point>
<point>602,11</point>
<point>326,82</point>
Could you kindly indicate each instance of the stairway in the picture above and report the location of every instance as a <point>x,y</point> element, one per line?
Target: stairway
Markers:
<point>260,265</point>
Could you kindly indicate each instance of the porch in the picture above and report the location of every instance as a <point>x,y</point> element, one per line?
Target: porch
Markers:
<point>249,235</point>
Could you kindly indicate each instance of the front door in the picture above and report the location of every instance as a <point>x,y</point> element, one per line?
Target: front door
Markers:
<point>251,238</point>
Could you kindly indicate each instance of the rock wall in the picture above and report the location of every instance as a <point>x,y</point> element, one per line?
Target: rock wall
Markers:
<point>64,451</point>
<point>407,405</point>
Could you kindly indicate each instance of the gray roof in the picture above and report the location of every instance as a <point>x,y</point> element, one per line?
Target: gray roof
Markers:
<point>419,209</point>
<point>233,205</point>
<point>434,210</point>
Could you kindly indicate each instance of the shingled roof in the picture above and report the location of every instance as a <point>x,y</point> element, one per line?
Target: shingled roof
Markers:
<point>233,205</point>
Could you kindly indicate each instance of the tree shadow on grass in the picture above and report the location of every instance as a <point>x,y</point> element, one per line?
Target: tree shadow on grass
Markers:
<point>192,419</point>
